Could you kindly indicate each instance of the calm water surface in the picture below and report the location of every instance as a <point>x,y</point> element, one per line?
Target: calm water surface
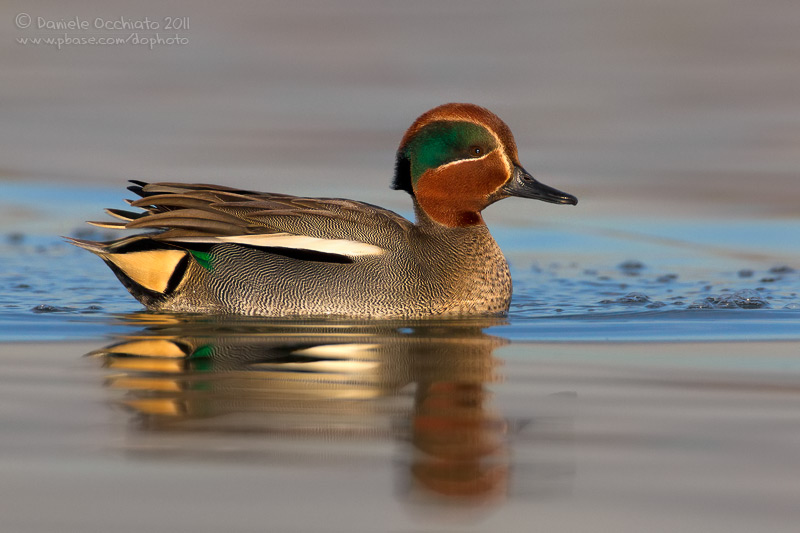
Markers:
<point>643,380</point>
<point>647,377</point>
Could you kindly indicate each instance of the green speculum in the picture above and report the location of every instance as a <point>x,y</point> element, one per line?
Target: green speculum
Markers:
<point>204,259</point>
<point>443,142</point>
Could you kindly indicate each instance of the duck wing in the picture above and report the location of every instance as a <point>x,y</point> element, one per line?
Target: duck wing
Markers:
<point>198,213</point>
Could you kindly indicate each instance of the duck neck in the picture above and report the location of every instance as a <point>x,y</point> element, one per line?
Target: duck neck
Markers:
<point>436,217</point>
<point>463,263</point>
<point>458,240</point>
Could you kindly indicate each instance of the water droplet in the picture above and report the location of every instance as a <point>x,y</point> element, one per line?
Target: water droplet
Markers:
<point>15,238</point>
<point>45,308</point>
<point>746,299</point>
<point>701,304</point>
<point>634,298</point>
<point>631,264</point>
<point>743,299</point>
<point>631,267</point>
<point>630,298</point>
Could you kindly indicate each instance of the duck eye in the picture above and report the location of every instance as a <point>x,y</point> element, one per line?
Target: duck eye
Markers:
<point>475,151</point>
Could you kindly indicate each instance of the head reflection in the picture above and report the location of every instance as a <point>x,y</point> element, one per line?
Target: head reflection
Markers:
<point>423,385</point>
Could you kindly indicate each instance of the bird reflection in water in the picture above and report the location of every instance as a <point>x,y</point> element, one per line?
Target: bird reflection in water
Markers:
<point>423,385</point>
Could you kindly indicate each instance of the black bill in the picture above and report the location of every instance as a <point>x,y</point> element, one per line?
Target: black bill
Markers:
<point>524,185</point>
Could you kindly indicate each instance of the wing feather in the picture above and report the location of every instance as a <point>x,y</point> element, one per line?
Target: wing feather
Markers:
<point>209,213</point>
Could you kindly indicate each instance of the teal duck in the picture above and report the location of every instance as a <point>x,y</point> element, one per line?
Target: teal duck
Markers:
<point>215,249</point>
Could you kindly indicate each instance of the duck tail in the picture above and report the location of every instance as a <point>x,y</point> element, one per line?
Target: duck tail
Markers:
<point>149,269</point>
<point>95,247</point>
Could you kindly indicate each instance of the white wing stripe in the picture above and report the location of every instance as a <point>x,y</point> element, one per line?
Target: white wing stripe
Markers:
<point>298,242</point>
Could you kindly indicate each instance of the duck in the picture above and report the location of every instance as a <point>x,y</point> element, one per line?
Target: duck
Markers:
<point>213,249</point>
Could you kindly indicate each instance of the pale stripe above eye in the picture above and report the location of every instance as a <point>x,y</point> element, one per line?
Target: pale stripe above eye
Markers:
<point>296,242</point>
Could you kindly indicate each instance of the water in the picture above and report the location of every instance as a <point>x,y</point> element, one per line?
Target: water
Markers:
<point>211,424</point>
<point>645,379</point>
<point>640,378</point>
<point>575,282</point>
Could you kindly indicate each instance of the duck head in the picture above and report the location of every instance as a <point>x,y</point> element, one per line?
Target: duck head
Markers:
<point>457,159</point>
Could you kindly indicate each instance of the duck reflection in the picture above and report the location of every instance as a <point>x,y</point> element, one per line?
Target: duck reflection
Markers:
<point>421,384</point>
